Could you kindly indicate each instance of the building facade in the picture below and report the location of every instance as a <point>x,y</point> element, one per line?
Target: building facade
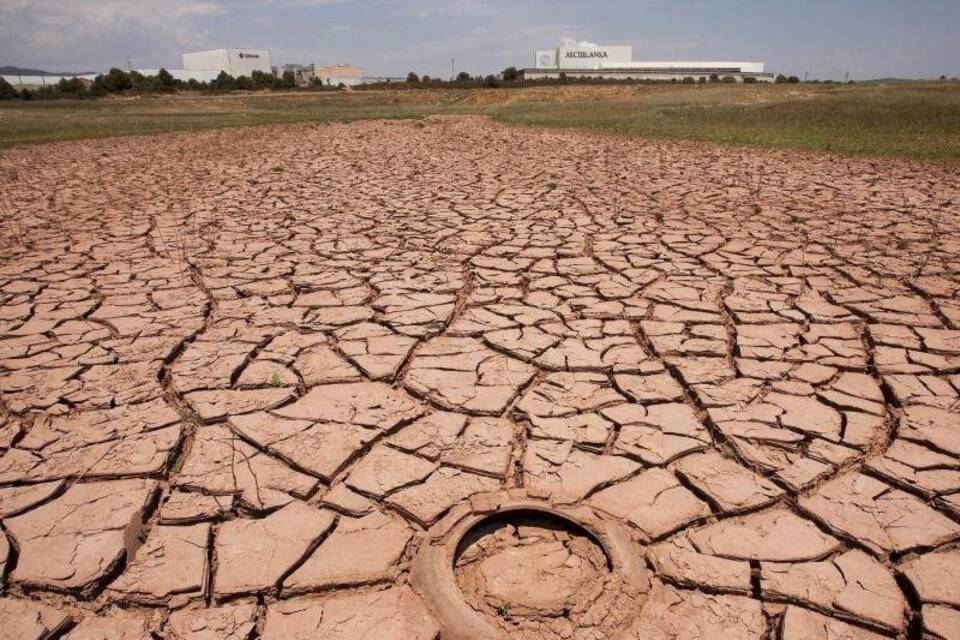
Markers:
<point>236,62</point>
<point>337,74</point>
<point>617,63</point>
<point>21,81</point>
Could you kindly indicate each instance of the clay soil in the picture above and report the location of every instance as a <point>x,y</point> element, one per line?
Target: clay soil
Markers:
<point>243,372</point>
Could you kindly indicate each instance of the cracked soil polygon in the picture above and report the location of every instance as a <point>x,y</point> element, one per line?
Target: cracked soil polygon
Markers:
<point>236,401</point>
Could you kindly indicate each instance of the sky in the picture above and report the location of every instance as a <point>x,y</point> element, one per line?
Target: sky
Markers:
<point>823,38</point>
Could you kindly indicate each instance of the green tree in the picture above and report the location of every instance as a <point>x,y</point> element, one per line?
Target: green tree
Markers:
<point>166,80</point>
<point>412,77</point>
<point>463,76</point>
<point>140,82</point>
<point>115,81</point>
<point>510,74</point>
<point>224,82</point>
<point>288,80</point>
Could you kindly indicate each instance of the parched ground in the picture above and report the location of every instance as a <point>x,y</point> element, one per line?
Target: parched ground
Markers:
<point>243,372</point>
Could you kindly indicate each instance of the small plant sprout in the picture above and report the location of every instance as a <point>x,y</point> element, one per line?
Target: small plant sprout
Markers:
<point>275,380</point>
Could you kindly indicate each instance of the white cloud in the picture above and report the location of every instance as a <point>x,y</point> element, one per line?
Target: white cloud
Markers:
<point>573,42</point>
<point>80,35</point>
<point>200,9</point>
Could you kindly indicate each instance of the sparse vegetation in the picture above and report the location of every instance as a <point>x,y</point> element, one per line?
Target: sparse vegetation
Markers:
<point>916,120</point>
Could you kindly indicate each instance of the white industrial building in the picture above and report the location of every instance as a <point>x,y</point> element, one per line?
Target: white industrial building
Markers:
<point>587,60</point>
<point>202,66</point>
<point>21,81</point>
<point>236,62</point>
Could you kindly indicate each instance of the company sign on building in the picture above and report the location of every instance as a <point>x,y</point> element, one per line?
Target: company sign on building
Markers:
<point>583,56</point>
<point>236,62</point>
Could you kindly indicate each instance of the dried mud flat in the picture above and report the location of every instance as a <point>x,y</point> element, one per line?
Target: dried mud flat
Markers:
<point>244,374</point>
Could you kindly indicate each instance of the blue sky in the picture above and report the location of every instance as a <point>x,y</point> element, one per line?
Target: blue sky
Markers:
<point>867,38</point>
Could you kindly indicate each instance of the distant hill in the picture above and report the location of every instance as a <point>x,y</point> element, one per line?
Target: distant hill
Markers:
<point>894,80</point>
<point>10,70</point>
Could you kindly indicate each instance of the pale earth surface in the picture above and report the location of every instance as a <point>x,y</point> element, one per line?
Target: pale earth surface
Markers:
<point>243,371</point>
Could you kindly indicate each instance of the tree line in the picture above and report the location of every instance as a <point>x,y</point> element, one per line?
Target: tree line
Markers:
<point>118,81</point>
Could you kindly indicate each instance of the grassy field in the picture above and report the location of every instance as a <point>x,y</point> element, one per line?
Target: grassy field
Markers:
<point>909,120</point>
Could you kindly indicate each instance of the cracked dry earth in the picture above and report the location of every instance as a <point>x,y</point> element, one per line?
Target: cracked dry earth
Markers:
<point>245,372</point>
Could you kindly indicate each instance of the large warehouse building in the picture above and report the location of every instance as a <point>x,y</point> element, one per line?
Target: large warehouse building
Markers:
<point>236,62</point>
<point>585,60</point>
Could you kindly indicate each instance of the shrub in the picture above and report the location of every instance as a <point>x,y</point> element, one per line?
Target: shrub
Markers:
<point>491,81</point>
<point>262,80</point>
<point>144,84</point>
<point>701,80</point>
<point>115,81</point>
<point>412,77</point>
<point>288,80</point>
<point>510,74</point>
<point>463,76</point>
<point>793,79</point>
<point>728,79</point>
<point>72,86</point>
<point>7,92</point>
<point>749,80</point>
<point>689,80</point>
<point>714,77</point>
